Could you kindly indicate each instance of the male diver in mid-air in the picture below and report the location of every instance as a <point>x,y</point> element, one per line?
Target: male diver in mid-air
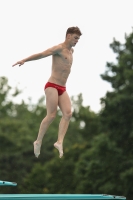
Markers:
<point>55,88</point>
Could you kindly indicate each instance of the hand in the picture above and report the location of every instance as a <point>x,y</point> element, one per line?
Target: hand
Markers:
<point>19,63</point>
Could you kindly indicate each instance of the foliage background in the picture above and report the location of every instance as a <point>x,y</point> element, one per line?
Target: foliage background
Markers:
<point>98,147</point>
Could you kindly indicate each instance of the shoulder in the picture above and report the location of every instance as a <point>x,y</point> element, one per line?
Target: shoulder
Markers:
<point>57,48</point>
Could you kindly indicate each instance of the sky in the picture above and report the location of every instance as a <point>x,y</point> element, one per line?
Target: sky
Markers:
<point>32,26</point>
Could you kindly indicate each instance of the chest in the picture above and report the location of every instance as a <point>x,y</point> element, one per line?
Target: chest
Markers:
<point>67,56</point>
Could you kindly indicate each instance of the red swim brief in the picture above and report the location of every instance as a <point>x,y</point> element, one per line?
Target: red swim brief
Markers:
<point>59,88</point>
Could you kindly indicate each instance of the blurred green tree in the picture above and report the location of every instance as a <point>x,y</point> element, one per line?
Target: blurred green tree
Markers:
<point>117,113</point>
<point>19,124</point>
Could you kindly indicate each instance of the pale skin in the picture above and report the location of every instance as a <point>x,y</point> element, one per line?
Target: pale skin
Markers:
<point>62,58</point>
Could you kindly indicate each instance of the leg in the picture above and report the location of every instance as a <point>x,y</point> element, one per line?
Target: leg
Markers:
<point>51,106</point>
<point>65,106</point>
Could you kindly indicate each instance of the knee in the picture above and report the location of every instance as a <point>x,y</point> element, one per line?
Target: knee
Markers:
<point>67,115</point>
<point>51,117</point>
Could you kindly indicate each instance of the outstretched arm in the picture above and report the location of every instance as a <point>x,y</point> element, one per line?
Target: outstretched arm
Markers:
<point>46,53</point>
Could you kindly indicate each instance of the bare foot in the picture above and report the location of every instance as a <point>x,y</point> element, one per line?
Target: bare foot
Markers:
<point>60,149</point>
<point>37,147</point>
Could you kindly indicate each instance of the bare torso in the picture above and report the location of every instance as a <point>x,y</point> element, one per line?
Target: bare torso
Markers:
<point>61,66</point>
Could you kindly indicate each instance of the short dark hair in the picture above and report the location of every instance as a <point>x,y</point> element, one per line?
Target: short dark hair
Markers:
<point>72,30</point>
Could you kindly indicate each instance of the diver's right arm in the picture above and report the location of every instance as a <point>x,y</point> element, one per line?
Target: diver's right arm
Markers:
<point>51,51</point>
